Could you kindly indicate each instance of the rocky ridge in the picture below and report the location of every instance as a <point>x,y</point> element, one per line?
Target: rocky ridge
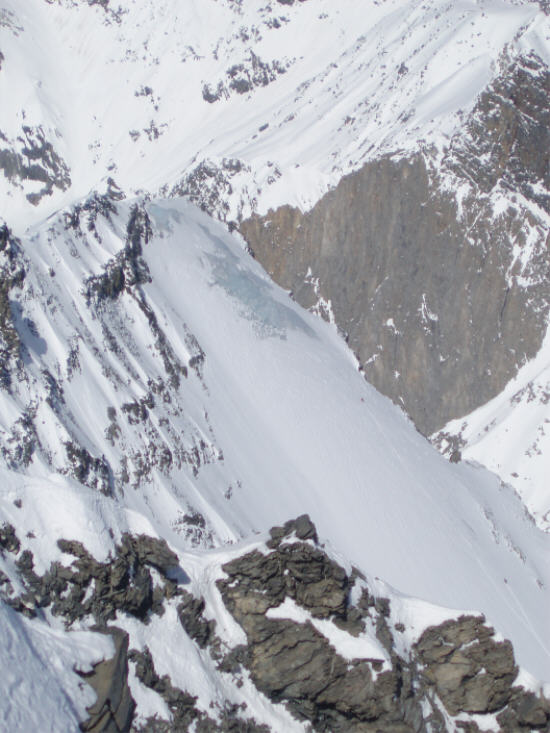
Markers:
<point>367,95</point>
<point>457,663</point>
<point>103,298</point>
<point>453,675</point>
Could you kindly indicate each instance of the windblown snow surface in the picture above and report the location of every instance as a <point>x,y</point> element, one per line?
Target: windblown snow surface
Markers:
<point>272,420</point>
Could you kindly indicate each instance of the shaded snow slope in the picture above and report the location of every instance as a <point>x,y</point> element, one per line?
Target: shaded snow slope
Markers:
<point>158,382</point>
<point>244,106</point>
<point>37,665</point>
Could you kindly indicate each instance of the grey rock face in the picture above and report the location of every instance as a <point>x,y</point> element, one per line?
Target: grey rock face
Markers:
<point>456,666</point>
<point>432,295</point>
<point>190,615</point>
<point>113,710</point>
<point>525,711</point>
<point>93,472</point>
<point>506,140</point>
<point>8,539</point>
<point>457,662</point>
<point>294,663</point>
<point>303,528</point>
<point>183,707</point>
<point>208,185</point>
<point>242,78</point>
<point>298,570</point>
<point>112,13</point>
<point>180,703</point>
<point>12,275</point>
<point>128,268</point>
<point>89,588</point>
<point>471,672</point>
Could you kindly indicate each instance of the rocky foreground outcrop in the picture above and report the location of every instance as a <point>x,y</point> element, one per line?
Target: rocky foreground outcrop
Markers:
<point>319,640</point>
<point>454,668</point>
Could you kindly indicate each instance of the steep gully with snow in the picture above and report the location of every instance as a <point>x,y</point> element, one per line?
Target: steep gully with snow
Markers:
<point>164,404</point>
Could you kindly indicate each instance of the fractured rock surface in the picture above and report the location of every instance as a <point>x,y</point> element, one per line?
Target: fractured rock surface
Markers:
<point>458,662</point>
<point>295,604</point>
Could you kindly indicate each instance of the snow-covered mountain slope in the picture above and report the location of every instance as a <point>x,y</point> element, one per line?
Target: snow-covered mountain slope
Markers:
<point>246,106</point>
<point>156,381</point>
<point>155,385</point>
<point>243,105</point>
<point>509,435</point>
<point>38,664</point>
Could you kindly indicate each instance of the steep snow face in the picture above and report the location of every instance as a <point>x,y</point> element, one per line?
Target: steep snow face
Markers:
<point>156,381</point>
<point>244,106</point>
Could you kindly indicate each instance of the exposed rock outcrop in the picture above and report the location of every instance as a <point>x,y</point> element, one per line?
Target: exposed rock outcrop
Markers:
<point>33,159</point>
<point>190,612</point>
<point>293,662</point>
<point>457,664</point>
<point>183,708</point>
<point>89,588</point>
<point>470,671</point>
<point>441,297</point>
<point>8,539</point>
<point>209,185</point>
<point>12,276</point>
<point>114,708</point>
<point>242,78</point>
<point>144,446</point>
<point>301,613</point>
<point>181,705</point>
<point>128,268</point>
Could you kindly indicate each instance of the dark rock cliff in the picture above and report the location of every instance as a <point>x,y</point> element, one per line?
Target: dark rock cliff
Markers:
<point>441,296</point>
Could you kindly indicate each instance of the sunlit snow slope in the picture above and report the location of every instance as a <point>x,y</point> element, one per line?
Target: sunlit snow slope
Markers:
<point>510,435</point>
<point>190,397</point>
<point>244,105</point>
